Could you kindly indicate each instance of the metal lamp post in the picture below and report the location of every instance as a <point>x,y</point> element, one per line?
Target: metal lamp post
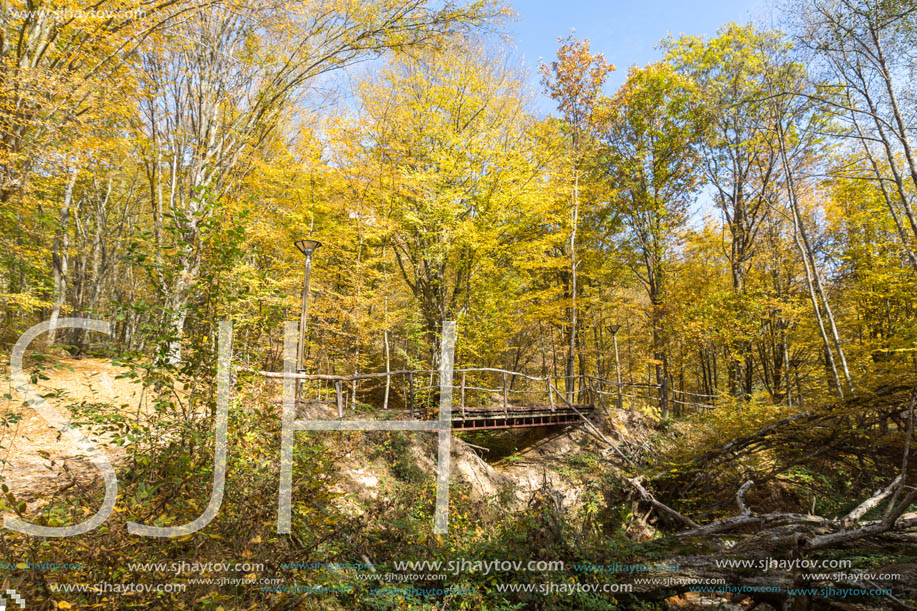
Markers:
<point>614,334</point>
<point>306,247</point>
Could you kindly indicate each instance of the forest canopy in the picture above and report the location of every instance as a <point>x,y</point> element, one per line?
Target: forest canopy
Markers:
<point>742,209</point>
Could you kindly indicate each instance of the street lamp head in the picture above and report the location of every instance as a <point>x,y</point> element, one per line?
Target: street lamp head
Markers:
<point>307,247</point>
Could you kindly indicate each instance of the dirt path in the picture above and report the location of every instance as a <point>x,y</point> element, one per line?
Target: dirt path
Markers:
<point>30,475</point>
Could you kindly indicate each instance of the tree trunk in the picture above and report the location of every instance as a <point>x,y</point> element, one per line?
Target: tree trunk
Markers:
<point>807,260</point>
<point>662,362</point>
<point>574,218</point>
<point>60,256</point>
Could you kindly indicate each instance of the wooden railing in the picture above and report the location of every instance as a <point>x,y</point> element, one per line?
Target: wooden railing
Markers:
<point>419,388</point>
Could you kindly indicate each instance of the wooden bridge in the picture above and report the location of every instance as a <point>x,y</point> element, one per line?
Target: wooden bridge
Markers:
<point>518,417</point>
<point>517,400</point>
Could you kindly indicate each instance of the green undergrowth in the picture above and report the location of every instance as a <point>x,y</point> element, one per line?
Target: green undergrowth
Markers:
<point>167,478</point>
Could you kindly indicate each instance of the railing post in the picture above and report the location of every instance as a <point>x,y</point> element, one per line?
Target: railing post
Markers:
<point>338,388</point>
<point>505,412</point>
<point>463,394</point>
<point>388,385</point>
<point>550,393</point>
<point>411,393</point>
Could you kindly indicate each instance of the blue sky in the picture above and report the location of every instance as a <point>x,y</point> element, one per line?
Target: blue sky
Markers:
<point>626,31</point>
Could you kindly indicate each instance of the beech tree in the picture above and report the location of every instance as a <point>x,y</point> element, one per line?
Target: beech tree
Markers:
<point>217,88</point>
<point>575,81</point>
<point>457,176</point>
<point>740,163</point>
<point>654,168</point>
